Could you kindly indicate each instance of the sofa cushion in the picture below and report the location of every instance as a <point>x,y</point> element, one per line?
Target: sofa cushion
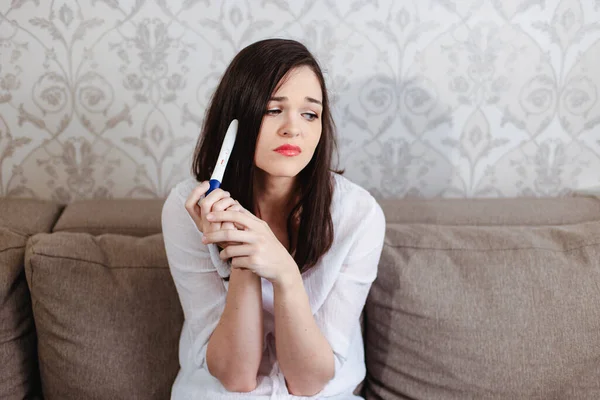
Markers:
<point>528,211</point>
<point>19,377</point>
<point>19,218</point>
<point>481,311</point>
<point>28,216</point>
<point>133,217</point>
<point>107,316</point>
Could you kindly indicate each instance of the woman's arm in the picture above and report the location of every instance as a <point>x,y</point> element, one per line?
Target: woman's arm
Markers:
<point>310,349</point>
<point>235,347</point>
<point>304,354</point>
<point>305,357</point>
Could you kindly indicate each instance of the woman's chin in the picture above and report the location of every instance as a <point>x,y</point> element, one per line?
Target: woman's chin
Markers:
<point>279,174</point>
<point>282,170</point>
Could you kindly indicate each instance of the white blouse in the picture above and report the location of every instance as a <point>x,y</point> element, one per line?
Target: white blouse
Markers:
<point>337,287</point>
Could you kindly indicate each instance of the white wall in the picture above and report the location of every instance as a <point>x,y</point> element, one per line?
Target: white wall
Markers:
<point>104,98</point>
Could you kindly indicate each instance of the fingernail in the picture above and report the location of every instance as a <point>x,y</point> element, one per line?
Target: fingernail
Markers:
<point>203,239</point>
<point>210,217</point>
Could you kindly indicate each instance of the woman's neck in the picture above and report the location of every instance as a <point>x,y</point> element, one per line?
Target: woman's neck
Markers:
<point>274,198</point>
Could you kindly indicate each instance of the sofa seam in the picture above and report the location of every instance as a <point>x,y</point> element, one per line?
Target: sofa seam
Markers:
<point>98,263</point>
<point>491,249</point>
<point>31,289</point>
<point>492,225</point>
<point>11,248</point>
<point>22,234</point>
<point>61,210</point>
<point>86,229</point>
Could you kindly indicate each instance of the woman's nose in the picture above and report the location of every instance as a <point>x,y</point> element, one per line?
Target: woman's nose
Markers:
<point>291,128</point>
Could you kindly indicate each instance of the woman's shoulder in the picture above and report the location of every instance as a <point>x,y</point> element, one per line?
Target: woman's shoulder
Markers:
<point>352,194</point>
<point>353,201</point>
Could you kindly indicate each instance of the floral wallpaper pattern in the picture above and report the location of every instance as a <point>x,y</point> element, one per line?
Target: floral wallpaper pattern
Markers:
<point>451,98</point>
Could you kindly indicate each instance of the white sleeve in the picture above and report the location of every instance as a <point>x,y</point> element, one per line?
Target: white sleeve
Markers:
<point>339,314</point>
<point>200,287</point>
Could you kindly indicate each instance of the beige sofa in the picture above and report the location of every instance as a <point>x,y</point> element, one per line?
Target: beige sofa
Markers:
<point>475,299</point>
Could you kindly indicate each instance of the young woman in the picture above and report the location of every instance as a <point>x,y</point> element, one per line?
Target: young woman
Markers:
<point>273,271</point>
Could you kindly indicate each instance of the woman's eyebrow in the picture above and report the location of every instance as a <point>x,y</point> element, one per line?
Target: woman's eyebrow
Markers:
<point>307,98</point>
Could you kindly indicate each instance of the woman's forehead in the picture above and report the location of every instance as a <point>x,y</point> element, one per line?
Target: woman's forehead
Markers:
<point>300,82</point>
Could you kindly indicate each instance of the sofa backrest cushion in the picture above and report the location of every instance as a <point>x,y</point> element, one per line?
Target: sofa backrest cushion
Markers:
<point>497,303</point>
<point>107,314</point>
<point>132,217</point>
<point>19,218</point>
<point>29,216</point>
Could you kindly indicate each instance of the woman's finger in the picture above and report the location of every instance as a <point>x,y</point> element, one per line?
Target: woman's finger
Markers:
<point>241,218</point>
<point>234,251</point>
<point>191,203</point>
<point>242,209</point>
<point>234,207</point>
<point>223,204</point>
<point>241,263</point>
<point>220,205</point>
<point>226,204</point>
<point>226,225</point>
<point>229,235</point>
<point>198,192</point>
<point>207,202</point>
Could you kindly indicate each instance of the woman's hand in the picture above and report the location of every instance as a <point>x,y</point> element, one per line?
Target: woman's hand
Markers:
<point>258,250</point>
<point>217,200</point>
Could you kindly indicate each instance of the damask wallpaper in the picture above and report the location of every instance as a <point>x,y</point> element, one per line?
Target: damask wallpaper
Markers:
<point>455,98</point>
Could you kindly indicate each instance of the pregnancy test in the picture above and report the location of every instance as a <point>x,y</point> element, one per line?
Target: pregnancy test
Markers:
<point>226,148</point>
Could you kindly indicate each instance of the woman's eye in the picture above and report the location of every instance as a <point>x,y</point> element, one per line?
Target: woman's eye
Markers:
<point>273,111</point>
<point>310,116</point>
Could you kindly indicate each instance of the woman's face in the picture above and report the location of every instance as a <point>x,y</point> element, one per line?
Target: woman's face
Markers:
<point>291,127</point>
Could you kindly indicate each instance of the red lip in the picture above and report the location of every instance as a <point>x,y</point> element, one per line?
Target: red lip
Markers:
<point>288,150</point>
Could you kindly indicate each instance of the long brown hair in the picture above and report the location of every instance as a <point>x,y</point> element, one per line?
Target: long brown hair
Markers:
<point>243,94</point>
